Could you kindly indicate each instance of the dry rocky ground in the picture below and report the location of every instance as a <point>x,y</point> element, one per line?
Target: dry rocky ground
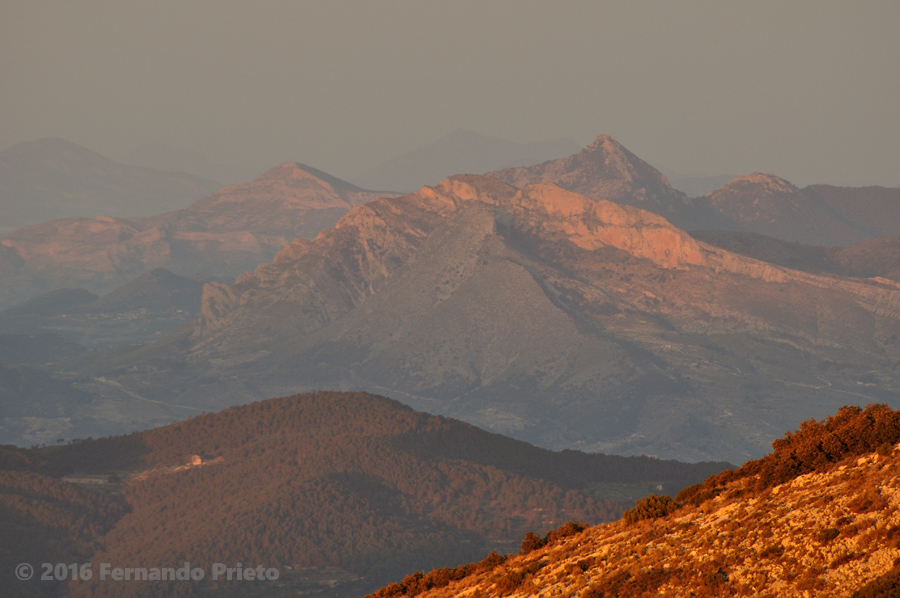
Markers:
<point>826,533</point>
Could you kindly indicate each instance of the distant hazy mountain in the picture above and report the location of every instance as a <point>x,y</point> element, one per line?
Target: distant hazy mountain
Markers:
<point>36,349</point>
<point>155,303</point>
<point>225,233</point>
<point>543,314</point>
<point>818,214</point>
<point>873,210</point>
<point>459,152</point>
<point>52,178</point>
<point>339,490</point>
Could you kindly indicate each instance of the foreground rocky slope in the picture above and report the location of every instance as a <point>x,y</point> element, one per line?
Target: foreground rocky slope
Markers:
<point>818,517</point>
<point>541,313</point>
<point>225,233</point>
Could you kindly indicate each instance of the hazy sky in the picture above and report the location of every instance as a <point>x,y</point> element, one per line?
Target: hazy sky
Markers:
<point>809,90</point>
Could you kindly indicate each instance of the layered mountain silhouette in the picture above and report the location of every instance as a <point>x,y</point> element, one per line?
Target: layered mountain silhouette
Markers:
<point>224,233</point>
<point>155,303</point>
<point>544,314</point>
<point>339,490</point>
<point>53,178</point>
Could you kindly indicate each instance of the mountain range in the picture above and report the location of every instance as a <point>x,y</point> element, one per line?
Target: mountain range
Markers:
<point>222,234</point>
<point>816,215</point>
<point>566,317</point>
<point>759,203</point>
<point>580,303</point>
<point>52,178</point>
<point>537,312</point>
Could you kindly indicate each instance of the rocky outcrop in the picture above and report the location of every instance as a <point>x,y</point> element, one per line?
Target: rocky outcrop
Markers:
<point>602,170</point>
<point>607,170</point>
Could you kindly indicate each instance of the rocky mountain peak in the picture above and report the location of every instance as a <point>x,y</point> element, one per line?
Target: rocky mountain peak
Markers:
<point>763,182</point>
<point>603,170</point>
<point>295,171</point>
<point>471,187</point>
<point>619,161</point>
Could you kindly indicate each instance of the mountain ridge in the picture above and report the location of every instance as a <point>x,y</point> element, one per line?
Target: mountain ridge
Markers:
<point>496,304</point>
<point>226,232</point>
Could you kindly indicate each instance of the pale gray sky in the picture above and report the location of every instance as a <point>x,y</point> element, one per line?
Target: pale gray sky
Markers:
<point>809,90</point>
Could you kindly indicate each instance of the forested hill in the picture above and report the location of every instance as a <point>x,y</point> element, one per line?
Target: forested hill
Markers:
<point>349,486</point>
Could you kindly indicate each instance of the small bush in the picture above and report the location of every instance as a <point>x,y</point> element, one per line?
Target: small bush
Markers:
<point>850,432</point>
<point>716,578</point>
<point>650,507</point>
<point>510,582</point>
<point>531,542</point>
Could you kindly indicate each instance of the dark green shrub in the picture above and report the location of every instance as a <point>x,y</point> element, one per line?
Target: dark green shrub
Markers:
<point>650,507</point>
<point>531,542</point>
